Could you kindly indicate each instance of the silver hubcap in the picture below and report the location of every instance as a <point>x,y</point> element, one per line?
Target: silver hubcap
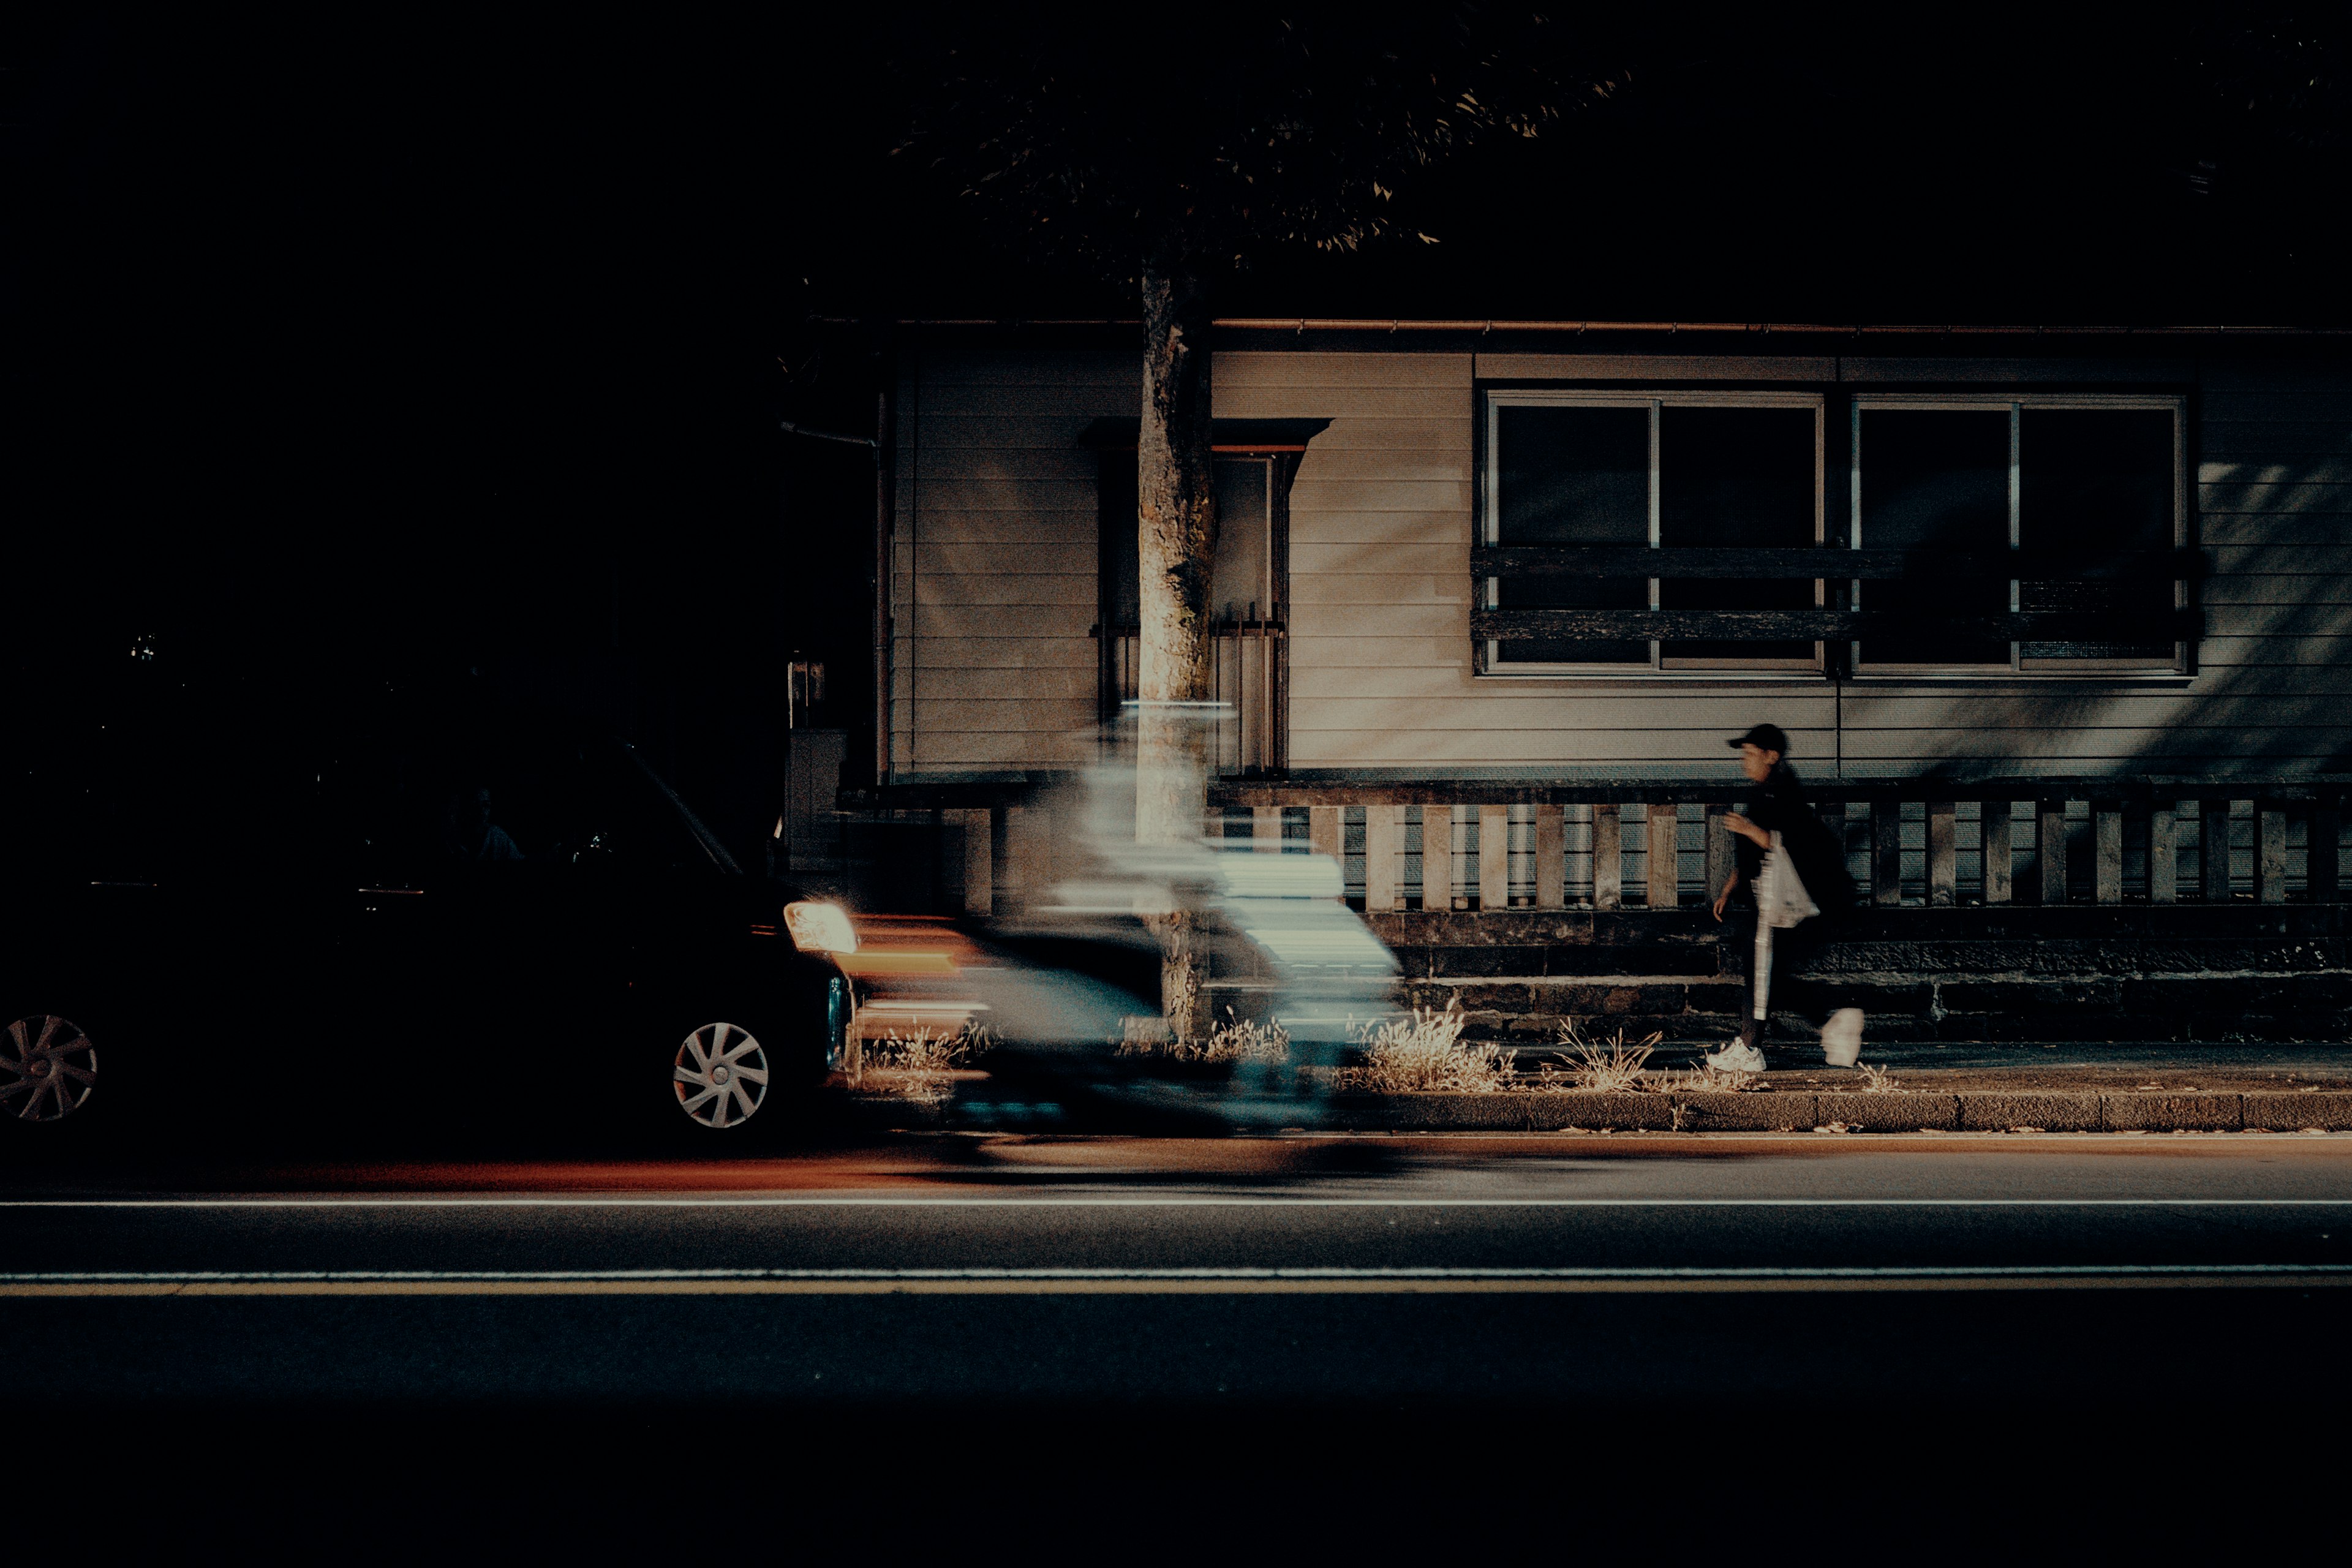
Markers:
<point>721,1075</point>
<point>48,1068</point>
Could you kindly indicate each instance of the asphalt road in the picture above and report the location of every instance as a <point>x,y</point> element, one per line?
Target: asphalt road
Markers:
<point>1387,1273</point>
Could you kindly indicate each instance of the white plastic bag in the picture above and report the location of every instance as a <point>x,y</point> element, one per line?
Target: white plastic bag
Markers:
<point>1781,897</point>
<point>1780,901</point>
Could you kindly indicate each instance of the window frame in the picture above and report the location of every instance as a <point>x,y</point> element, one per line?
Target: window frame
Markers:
<point>1490,662</point>
<point>2016,404</point>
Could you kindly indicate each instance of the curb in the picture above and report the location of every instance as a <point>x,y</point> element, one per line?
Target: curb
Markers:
<point>1894,1110</point>
<point>1782,1110</point>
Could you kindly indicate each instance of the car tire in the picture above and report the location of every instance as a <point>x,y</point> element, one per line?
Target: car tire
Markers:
<point>50,1072</point>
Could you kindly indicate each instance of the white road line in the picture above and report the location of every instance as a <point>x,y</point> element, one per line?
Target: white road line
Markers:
<point>1997,1271</point>
<point>1142,1201</point>
<point>1169,1281</point>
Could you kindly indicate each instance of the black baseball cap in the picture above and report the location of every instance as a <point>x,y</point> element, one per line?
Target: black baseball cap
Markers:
<point>1765,737</point>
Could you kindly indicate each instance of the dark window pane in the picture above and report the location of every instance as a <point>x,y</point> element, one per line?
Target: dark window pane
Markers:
<point>1121,546</point>
<point>1574,476</point>
<point>2096,479</point>
<point>1934,480</point>
<point>1243,572</point>
<point>1729,477</point>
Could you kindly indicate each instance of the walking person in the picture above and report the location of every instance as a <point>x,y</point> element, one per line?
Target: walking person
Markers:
<point>1778,807</point>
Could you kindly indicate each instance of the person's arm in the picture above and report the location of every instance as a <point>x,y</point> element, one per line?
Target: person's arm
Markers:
<point>1724,897</point>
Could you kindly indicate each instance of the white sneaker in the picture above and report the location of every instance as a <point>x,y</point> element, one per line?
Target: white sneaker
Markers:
<point>1841,1038</point>
<point>1736,1057</point>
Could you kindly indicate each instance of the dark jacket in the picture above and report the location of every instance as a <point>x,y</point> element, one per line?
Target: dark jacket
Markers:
<point>1778,807</point>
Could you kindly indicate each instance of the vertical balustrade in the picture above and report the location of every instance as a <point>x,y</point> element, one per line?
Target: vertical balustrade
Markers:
<point>1383,851</point>
<point>1004,886</point>
<point>1265,829</point>
<point>1832,817</point>
<point>2107,851</point>
<point>2164,852</point>
<point>979,862</point>
<point>1885,853</point>
<point>2321,873</point>
<point>1494,858</point>
<point>1326,833</point>
<point>2213,850</point>
<point>2270,852</point>
<point>1998,820</point>
<point>2050,849</point>
<point>1551,857</point>
<point>1608,858</point>
<point>1943,854</point>
<point>1718,849</point>
<point>1662,888</point>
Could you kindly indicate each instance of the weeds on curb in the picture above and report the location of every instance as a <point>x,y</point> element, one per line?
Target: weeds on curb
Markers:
<point>1707,1079</point>
<point>1422,1052</point>
<point>1606,1067</point>
<point>1875,1079</point>
<point>1237,1040</point>
<point>920,1066</point>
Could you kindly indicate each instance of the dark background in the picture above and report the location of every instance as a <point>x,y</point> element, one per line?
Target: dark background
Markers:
<point>449,350</point>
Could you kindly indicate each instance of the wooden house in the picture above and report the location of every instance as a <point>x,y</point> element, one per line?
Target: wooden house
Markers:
<point>2052,616</point>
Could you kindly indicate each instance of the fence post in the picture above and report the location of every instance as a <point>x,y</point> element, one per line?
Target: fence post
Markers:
<point>2107,851</point>
<point>1943,854</point>
<point>1383,844</point>
<point>1325,832</point>
<point>1833,818</point>
<point>2270,852</point>
<point>1997,818</point>
<point>2322,874</point>
<point>979,861</point>
<point>1494,858</point>
<point>1663,888</point>
<point>1608,857</point>
<point>2050,849</point>
<point>1265,829</point>
<point>1551,857</point>
<point>2213,850</point>
<point>1719,849</point>
<point>1005,889</point>
<point>1887,852</point>
<point>2164,852</point>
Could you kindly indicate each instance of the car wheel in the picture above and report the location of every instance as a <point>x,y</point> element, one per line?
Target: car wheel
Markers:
<point>47,1068</point>
<point>721,1076</point>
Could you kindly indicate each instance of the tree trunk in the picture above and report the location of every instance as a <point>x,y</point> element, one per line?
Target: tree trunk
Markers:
<point>1177,503</point>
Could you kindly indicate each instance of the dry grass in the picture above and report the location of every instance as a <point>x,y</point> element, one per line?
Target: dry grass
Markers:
<point>1421,1052</point>
<point>1875,1079</point>
<point>1237,1040</point>
<point>1606,1067</point>
<point>1709,1078</point>
<point>920,1066</point>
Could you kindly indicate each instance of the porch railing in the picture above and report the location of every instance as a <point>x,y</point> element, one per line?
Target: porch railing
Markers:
<point>1932,842</point>
<point>1495,845</point>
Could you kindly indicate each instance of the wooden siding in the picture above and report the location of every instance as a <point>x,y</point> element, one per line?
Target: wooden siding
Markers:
<point>994,582</point>
<point>993,562</point>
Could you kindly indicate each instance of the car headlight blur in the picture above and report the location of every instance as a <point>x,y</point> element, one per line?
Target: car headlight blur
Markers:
<point>820,928</point>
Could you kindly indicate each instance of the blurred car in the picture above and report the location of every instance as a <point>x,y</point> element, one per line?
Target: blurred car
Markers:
<point>1069,989</point>
<point>522,931</point>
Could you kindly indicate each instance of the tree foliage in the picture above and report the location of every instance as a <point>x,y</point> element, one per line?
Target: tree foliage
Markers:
<point>1236,128</point>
